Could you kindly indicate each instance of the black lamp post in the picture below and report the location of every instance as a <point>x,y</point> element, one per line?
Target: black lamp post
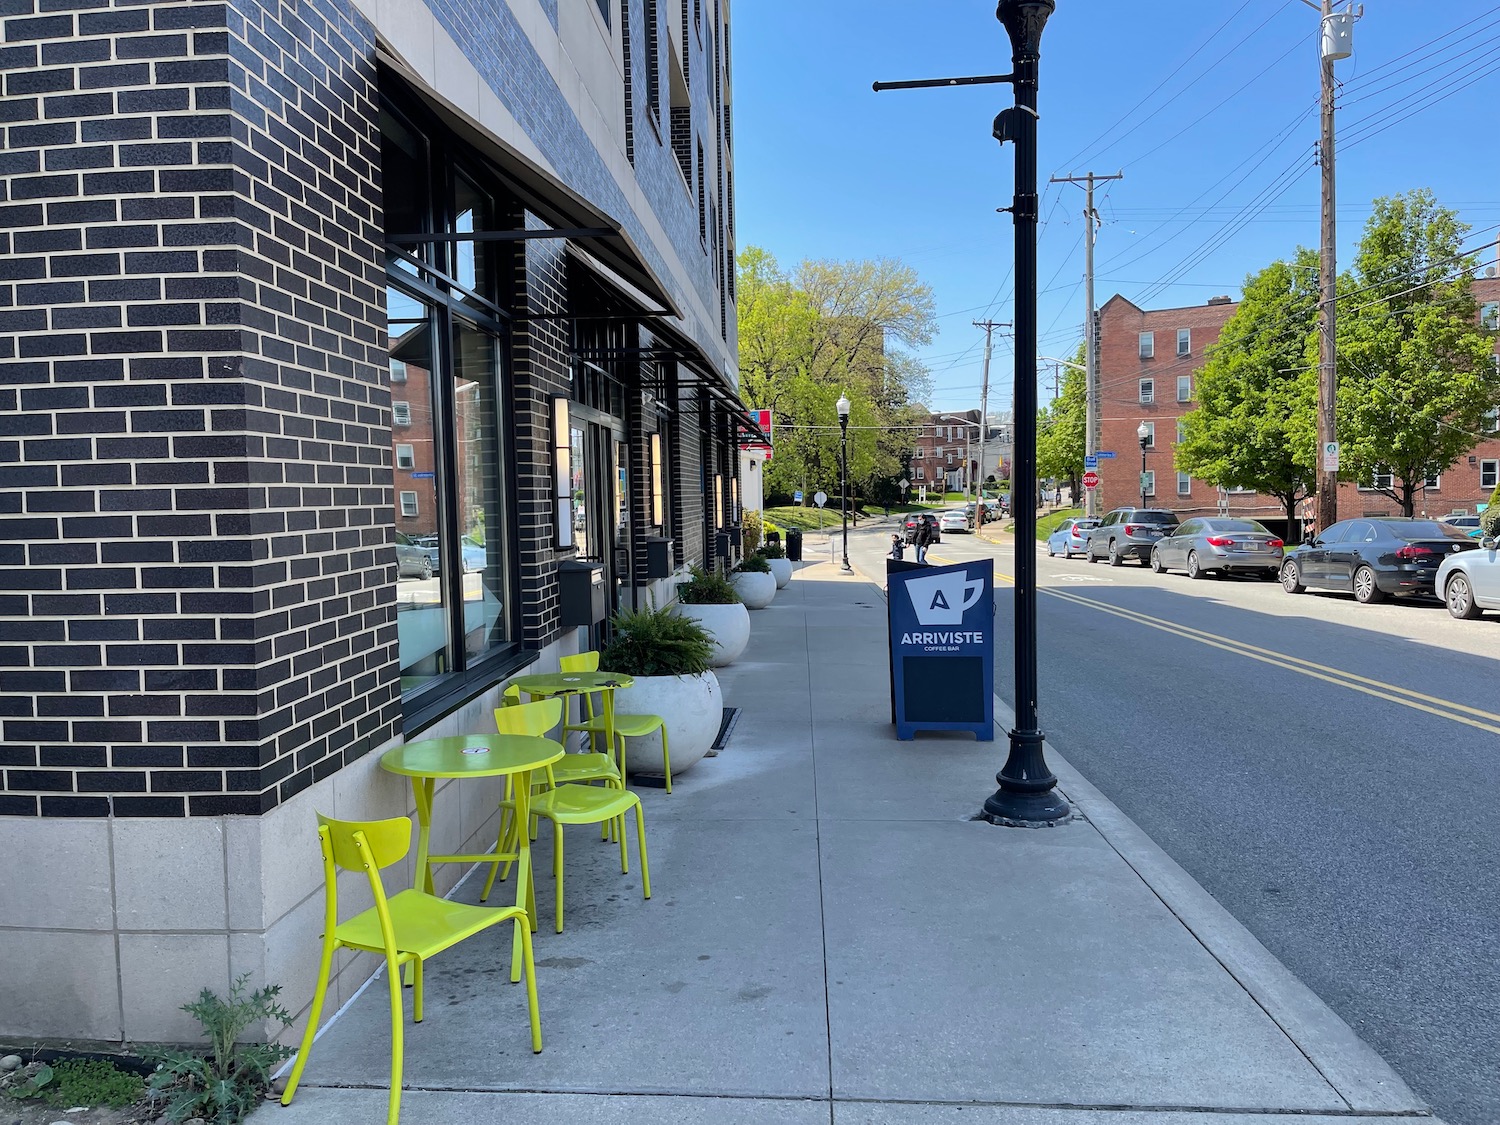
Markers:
<point>843,409</point>
<point>1028,790</point>
<point>1143,432</point>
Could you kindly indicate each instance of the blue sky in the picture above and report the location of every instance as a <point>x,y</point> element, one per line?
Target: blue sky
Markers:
<point>1209,108</point>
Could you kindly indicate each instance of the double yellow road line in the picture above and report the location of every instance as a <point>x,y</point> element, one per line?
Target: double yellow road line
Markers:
<point>1417,701</point>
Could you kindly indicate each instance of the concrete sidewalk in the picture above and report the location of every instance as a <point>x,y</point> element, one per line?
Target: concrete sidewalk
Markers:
<point>833,939</point>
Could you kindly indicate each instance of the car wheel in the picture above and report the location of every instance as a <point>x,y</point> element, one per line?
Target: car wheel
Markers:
<point>1088,552</point>
<point>1366,592</point>
<point>1051,554</point>
<point>1290,579</point>
<point>1460,598</point>
<point>1193,570</point>
<point>1156,562</point>
<point>1114,554</point>
<point>426,571</point>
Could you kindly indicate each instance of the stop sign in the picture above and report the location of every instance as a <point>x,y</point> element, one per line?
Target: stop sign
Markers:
<point>1091,479</point>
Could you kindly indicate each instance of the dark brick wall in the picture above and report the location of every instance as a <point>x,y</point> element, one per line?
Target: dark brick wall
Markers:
<point>196,506</point>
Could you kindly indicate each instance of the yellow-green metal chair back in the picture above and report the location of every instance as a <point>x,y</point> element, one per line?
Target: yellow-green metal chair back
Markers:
<point>536,719</point>
<point>583,662</point>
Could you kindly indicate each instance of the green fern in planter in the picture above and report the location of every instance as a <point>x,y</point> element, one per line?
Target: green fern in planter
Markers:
<point>656,642</point>
<point>771,549</point>
<point>707,587</point>
<point>754,564</point>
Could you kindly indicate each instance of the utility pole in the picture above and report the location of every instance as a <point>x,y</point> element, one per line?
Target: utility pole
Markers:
<point>1091,349</point>
<point>989,327</point>
<point>1336,40</point>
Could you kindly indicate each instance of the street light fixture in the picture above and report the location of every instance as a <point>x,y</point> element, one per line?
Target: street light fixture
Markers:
<point>1143,432</point>
<point>1028,794</point>
<point>843,409</point>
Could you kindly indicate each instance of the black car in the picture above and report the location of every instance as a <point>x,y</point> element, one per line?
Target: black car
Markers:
<point>1373,558</point>
<point>1128,533</point>
<point>412,560</point>
<point>910,526</point>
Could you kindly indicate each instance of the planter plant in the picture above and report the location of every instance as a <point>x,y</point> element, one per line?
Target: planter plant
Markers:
<point>711,600</point>
<point>781,566</point>
<point>754,582</point>
<point>668,657</point>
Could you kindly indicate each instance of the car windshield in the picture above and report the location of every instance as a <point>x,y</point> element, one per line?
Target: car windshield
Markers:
<point>1166,519</point>
<point>1237,525</point>
<point>1426,529</point>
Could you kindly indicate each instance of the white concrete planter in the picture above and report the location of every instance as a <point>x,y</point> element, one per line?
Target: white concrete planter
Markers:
<point>781,570</point>
<point>693,709</point>
<point>728,625</point>
<point>755,589</point>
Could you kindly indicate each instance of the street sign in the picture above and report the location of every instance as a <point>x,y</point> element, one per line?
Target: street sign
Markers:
<point>750,442</point>
<point>1091,480</point>
<point>797,496</point>
<point>820,498</point>
<point>1105,454</point>
<point>942,647</point>
<point>1090,462</point>
<point>905,483</point>
<point>1330,456</point>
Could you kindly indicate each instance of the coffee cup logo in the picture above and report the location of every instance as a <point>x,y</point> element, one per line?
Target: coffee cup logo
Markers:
<point>941,599</point>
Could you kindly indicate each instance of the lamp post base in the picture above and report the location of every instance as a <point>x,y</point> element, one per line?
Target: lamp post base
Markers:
<point>1028,796</point>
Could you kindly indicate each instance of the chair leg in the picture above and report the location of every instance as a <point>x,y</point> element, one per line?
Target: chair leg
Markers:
<point>393,1113</point>
<point>532,1008</point>
<point>617,825</point>
<point>502,839</point>
<point>557,868</point>
<point>666,757</point>
<point>314,1013</point>
<point>416,992</point>
<point>640,843</point>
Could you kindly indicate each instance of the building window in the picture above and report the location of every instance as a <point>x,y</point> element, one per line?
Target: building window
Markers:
<point>1184,341</point>
<point>1381,478</point>
<point>604,9</point>
<point>1491,424</point>
<point>406,456</point>
<point>409,505</point>
<point>398,372</point>
<point>1148,344</point>
<point>1184,388</point>
<point>653,63</point>
<point>1489,474</point>
<point>1150,434</point>
<point>1489,315</point>
<point>920,452</point>
<point>1435,481</point>
<point>1148,483</point>
<point>1148,390</point>
<point>1184,485</point>
<point>1181,431</point>
<point>702,201</point>
<point>920,474</point>
<point>401,411</point>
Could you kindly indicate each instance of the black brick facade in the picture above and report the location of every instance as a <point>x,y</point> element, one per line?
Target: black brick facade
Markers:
<point>194,423</point>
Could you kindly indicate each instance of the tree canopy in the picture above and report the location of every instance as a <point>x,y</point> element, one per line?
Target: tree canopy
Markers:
<point>825,329</point>
<point>1061,429</point>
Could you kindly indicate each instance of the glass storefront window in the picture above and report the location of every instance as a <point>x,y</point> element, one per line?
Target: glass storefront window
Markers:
<point>420,610</point>
<point>479,487</point>
<point>582,502</point>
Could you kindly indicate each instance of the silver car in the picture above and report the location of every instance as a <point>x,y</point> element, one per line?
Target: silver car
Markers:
<point>1218,545</point>
<point>1469,582</point>
<point>1071,536</point>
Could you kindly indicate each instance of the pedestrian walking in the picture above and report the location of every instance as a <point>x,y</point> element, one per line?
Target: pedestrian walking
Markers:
<point>923,538</point>
<point>898,548</point>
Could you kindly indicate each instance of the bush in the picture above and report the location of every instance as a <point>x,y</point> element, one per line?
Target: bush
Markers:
<point>707,587</point>
<point>754,564</point>
<point>772,549</point>
<point>752,530</point>
<point>656,642</point>
<point>1489,519</point>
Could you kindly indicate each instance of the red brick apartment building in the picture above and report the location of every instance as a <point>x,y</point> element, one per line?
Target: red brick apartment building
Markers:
<point>1148,369</point>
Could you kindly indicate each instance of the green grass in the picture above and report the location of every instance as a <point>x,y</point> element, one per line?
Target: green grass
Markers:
<point>801,519</point>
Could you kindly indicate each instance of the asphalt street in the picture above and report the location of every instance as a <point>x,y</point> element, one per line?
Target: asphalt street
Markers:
<point>1326,770</point>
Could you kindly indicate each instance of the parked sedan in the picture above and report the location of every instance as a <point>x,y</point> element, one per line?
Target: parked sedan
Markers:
<point>1070,537</point>
<point>1374,558</point>
<point>411,559</point>
<point>954,520</point>
<point>1218,546</point>
<point>1469,581</point>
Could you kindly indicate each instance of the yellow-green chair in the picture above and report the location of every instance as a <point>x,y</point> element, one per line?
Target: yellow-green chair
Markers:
<point>411,927</point>
<point>626,726</point>
<point>569,804</point>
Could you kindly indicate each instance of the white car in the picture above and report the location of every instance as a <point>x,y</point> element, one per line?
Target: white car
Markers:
<point>1469,581</point>
<point>953,520</point>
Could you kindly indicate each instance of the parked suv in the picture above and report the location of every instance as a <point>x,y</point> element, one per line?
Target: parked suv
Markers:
<point>1128,532</point>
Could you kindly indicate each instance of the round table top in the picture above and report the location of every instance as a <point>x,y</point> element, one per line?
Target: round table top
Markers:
<point>472,755</point>
<point>557,683</point>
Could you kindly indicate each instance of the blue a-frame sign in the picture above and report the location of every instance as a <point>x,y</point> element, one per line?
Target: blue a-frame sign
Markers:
<point>942,641</point>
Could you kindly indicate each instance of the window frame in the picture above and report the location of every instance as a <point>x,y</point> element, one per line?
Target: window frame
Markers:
<point>1376,475</point>
<point>1184,342</point>
<point>1150,436</point>
<point>1149,480</point>
<point>1184,484</point>
<point>1146,345</point>
<point>1146,389</point>
<point>1184,388</point>
<point>1492,467</point>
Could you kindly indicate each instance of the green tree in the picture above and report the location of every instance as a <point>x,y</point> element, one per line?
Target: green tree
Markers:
<point>1416,371</point>
<point>1255,425</point>
<point>1061,430</point>
<point>832,328</point>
